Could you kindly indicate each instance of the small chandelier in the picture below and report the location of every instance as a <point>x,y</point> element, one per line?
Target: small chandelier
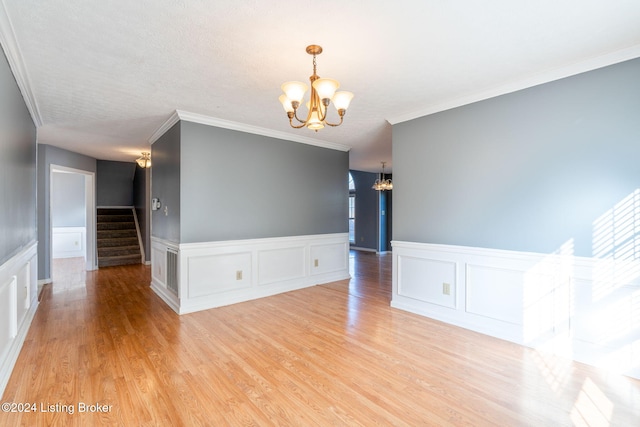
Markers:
<point>323,91</point>
<point>145,160</point>
<point>382,184</point>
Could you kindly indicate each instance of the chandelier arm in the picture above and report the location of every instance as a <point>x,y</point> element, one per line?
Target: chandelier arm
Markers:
<point>294,126</point>
<point>334,124</point>
<point>295,114</point>
<point>320,106</point>
<point>317,107</point>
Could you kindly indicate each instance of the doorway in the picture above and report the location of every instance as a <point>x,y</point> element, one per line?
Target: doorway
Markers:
<point>72,219</point>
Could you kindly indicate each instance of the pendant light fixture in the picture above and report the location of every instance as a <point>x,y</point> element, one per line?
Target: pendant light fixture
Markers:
<point>382,184</point>
<point>323,93</point>
<point>144,161</point>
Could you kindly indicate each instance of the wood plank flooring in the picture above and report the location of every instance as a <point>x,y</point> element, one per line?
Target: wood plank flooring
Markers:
<point>330,355</point>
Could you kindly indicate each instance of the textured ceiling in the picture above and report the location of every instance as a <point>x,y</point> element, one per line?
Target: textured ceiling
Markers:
<point>103,76</point>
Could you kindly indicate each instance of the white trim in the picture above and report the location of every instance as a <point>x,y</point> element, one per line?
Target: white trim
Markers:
<point>135,219</point>
<point>358,248</point>
<point>61,246</point>
<point>17,64</point>
<point>91,252</point>
<point>530,81</point>
<point>242,127</point>
<point>558,303</point>
<point>20,307</point>
<point>254,242</point>
<point>214,274</point>
<point>172,120</point>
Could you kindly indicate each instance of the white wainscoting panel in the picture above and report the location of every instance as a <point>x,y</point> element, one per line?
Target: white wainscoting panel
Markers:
<point>213,274</point>
<point>275,265</point>
<point>159,249</point>
<point>18,304</point>
<point>216,273</point>
<point>329,257</point>
<point>68,242</point>
<point>495,293</point>
<point>586,309</point>
<point>424,280</point>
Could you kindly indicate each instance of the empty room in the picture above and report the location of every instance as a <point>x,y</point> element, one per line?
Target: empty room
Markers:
<point>311,214</point>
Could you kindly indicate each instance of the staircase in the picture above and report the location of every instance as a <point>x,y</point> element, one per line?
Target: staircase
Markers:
<point>117,238</point>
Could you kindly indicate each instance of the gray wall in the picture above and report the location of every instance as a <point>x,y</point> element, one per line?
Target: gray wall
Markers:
<point>237,185</point>
<point>48,155</point>
<point>142,204</point>
<point>115,183</point>
<point>165,185</point>
<point>526,171</point>
<point>220,184</point>
<point>68,200</point>
<point>17,168</point>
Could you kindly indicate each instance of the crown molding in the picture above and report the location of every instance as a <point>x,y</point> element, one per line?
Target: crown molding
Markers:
<point>16,62</point>
<point>530,81</point>
<point>172,120</point>
<point>242,127</point>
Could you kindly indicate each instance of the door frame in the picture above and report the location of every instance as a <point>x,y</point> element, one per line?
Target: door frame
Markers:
<point>91,260</point>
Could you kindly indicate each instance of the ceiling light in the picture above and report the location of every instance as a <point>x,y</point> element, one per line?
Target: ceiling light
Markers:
<point>145,160</point>
<point>382,184</point>
<point>323,91</point>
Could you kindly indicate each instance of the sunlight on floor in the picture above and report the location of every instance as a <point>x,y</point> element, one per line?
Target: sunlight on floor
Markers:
<point>592,408</point>
<point>556,371</point>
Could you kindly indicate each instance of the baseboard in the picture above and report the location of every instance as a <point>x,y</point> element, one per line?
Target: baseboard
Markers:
<point>166,296</point>
<point>358,248</point>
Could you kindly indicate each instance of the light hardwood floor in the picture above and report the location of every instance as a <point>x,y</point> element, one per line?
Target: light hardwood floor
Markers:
<point>334,354</point>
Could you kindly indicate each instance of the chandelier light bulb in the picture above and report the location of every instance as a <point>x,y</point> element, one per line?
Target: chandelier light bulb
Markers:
<point>295,91</point>
<point>382,184</point>
<point>326,88</point>
<point>342,99</point>
<point>144,161</point>
<point>286,103</point>
<point>314,122</point>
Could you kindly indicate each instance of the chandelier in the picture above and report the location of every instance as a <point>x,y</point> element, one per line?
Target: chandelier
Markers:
<point>382,184</point>
<point>144,161</point>
<point>323,92</point>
